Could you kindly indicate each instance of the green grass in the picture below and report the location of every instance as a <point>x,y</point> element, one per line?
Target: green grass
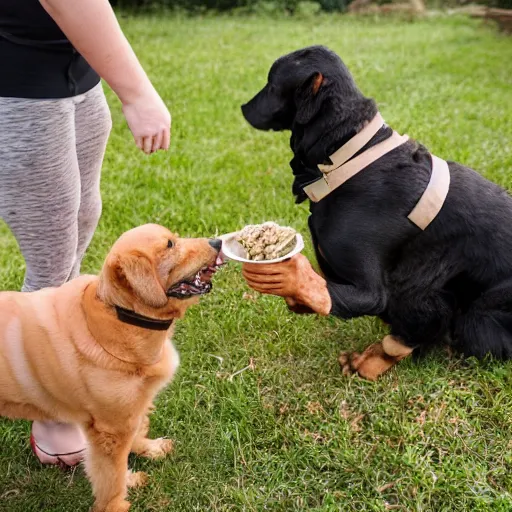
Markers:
<point>290,433</point>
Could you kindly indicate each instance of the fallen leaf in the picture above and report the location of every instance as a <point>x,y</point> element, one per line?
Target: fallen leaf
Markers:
<point>344,410</point>
<point>421,418</point>
<point>355,423</point>
<point>314,435</point>
<point>385,487</point>
<point>314,407</point>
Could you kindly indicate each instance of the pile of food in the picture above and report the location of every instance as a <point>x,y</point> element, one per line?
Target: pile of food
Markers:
<point>267,241</point>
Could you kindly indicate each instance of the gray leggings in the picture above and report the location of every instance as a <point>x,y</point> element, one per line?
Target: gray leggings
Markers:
<point>51,153</point>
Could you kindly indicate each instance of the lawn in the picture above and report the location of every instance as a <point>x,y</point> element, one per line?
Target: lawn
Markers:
<point>289,432</point>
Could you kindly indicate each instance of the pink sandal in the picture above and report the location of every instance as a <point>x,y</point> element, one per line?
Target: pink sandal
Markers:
<point>60,444</point>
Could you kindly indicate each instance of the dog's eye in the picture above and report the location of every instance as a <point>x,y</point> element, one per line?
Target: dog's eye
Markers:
<point>170,244</point>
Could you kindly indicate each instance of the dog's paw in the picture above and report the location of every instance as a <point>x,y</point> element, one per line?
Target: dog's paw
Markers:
<point>157,448</point>
<point>344,361</point>
<point>137,479</point>
<point>117,505</point>
<point>370,365</point>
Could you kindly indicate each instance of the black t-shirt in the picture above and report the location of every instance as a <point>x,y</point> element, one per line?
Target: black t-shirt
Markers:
<point>36,59</point>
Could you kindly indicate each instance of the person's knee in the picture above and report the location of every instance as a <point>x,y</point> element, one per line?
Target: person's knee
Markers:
<point>88,218</point>
<point>50,258</point>
<point>89,215</point>
<point>37,278</point>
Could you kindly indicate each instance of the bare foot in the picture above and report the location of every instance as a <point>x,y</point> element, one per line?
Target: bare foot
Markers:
<point>57,443</point>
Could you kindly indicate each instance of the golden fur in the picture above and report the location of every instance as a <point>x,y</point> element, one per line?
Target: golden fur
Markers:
<point>65,356</point>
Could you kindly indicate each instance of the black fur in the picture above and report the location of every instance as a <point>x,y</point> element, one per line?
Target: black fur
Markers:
<point>452,280</point>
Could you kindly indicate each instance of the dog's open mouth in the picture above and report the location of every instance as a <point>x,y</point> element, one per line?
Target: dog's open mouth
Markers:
<point>199,284</point>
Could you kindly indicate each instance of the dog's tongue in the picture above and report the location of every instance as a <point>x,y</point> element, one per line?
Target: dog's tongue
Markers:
<point>200,284</point>
<point>187,289</point>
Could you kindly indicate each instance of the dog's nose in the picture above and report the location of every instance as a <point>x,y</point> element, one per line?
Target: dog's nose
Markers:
<point>216,243</point>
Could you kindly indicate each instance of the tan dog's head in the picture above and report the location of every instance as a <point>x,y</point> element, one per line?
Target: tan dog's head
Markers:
<point>151,270</point>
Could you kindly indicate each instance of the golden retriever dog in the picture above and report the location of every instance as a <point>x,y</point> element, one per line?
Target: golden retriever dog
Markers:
<point>96,350</point>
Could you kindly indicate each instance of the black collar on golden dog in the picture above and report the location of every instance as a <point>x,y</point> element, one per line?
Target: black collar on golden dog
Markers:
<point>130,317</point>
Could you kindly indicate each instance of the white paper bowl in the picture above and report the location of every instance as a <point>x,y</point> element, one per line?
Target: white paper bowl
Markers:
<point>233,250</point>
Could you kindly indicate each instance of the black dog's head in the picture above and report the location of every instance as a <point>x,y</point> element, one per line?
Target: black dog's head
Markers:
<point>298,85</point>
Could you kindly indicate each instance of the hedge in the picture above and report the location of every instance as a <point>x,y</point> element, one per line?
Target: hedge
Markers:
<point>289,6</point>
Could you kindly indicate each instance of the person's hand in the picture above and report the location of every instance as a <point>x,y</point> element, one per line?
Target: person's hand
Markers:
<point>148,120</point>
<point>282,279</point>
<point>293,279</point>
<point>296,307</point>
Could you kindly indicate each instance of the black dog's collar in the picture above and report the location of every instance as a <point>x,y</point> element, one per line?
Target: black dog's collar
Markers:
<point>304,175</point>
<point>130,317</point>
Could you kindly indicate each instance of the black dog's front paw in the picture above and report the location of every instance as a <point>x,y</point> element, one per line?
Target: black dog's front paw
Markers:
<point>370,365</point>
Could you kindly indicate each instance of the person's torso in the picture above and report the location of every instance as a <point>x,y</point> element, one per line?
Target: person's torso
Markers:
<point>27,19</point>
<point>36,58</point>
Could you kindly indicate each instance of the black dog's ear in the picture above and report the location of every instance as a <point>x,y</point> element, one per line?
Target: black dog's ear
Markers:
<point>308,98</point>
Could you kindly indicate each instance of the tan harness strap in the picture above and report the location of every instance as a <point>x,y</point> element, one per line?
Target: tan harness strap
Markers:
<point>342,169</point>
<point>332,180</point>
<point>432,199</point>
<point>348,150</point>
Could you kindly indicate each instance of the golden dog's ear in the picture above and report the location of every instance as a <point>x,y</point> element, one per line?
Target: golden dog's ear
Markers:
<point>139,273</point>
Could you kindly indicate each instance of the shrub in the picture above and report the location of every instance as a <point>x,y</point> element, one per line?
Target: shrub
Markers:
<point>272,7</point>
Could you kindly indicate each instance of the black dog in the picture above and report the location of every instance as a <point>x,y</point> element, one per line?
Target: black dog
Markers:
<point>452,280</point>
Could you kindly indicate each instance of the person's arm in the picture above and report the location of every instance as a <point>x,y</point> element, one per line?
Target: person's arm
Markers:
<point>92,28</point>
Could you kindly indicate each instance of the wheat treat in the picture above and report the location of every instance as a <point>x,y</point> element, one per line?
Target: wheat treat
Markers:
<point>267,241</point>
